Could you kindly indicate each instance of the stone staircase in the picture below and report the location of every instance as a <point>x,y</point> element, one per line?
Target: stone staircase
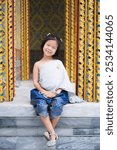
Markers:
<point>21,129</point>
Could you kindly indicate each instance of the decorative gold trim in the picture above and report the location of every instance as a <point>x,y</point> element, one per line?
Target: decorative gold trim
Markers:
<point>1,55</point>
<point>81,48</point>
<point>70,40</point>
<point>98,54</point>
<point>88,70</point>
<point>95,45</point>
<point>73,43</point>
<point>10,48</point>
<point>7,51</point>
<point>67,37</point>
<point>14,47</point>
<point>85,53</point>
<point>25,39</point>
<point>90,50</point>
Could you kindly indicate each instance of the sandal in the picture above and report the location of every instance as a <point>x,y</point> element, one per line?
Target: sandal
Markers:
<point>46,135</point>
<point>52,142</point>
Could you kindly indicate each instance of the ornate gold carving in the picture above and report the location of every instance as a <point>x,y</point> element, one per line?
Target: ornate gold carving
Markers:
<point>70,41</point>
<point>67,37</point>
<point>7,51</point>
<point>88,67</point>
<point>25,39</point>
<point>81,48</point>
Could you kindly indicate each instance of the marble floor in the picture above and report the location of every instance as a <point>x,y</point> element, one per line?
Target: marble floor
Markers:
<point>39,143</point>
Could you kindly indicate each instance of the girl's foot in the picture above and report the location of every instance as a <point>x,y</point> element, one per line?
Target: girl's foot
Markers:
<point>52,141</point>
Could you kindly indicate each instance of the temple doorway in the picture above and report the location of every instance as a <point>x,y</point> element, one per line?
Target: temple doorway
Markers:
<point>45,17</point>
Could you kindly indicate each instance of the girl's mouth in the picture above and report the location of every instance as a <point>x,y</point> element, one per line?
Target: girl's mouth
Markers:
<point>48,51</point>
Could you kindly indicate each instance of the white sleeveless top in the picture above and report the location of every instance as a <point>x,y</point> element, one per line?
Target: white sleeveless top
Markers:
<point>52,76</point>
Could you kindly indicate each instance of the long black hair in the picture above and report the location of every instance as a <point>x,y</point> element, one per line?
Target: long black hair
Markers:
<point>51,36</point>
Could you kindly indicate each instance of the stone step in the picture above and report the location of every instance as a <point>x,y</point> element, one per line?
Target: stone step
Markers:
<point>38,131</point>
<point>22,108</point>
<point>67,122</point>
<point>39,143</point>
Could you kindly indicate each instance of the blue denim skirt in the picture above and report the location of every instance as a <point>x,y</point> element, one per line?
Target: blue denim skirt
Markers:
<point>52,107</point>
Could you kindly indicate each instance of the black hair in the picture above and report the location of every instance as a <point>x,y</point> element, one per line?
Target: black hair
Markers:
<point>51,36</point>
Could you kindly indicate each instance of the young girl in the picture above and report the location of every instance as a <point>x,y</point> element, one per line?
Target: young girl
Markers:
<point>54,88</point>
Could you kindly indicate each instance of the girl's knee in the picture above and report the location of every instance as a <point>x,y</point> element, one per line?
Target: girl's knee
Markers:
<point>56,111</point>
<point>42,110</point>
<point>42,106</point>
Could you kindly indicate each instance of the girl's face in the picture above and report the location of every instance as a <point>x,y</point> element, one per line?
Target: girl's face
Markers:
<point>50,48</point>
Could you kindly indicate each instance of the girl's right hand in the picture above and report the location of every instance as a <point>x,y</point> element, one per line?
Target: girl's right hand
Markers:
<point>49,94</point>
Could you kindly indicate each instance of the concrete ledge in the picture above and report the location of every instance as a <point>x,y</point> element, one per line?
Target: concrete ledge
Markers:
<point>82,110</point>
<point>69,110</point>
<point>20,106</point>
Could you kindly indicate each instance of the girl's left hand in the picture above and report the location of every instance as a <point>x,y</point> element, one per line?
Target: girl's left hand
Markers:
<point>58,91</point>
<point>49,94</point>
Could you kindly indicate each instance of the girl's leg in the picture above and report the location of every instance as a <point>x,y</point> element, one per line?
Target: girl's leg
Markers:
<point>55,121</point>
<point>57,107</point>
<point>48,125</point>
<point>42,110</point>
